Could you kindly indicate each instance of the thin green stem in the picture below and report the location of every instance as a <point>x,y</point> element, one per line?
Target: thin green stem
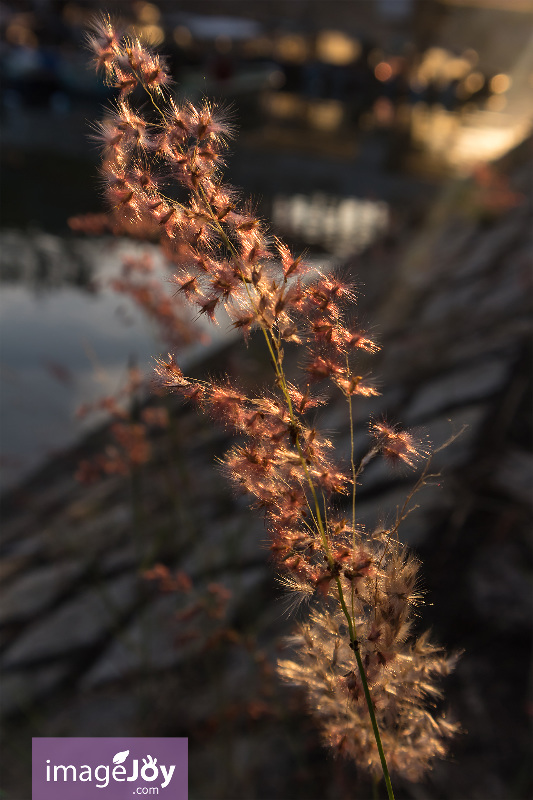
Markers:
<point>355,647</point>
<point>352,462</point>
<point>375,727</point>
<point>351,626</point>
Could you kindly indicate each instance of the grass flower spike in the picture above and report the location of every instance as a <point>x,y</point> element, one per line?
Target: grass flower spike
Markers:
<point>370,682</point>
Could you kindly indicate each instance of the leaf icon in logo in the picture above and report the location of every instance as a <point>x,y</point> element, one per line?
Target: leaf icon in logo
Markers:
<point>120,757</point>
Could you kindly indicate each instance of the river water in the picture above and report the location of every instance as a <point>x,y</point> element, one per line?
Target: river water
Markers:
<point>67,339</point>
<point>62,343</point>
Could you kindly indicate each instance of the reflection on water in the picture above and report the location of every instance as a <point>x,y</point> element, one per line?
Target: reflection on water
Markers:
<point>43,261</point>
<point>60,344</point>
<point>342,225</point>
<point>67,339</point>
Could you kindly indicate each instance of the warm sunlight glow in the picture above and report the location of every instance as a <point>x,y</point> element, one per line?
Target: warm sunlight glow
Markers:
<point>335,47</point>
<point>500,83</point>
<point>474,82</point>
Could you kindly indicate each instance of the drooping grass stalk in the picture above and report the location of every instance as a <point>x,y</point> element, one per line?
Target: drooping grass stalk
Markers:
<point>274,351</point>
<point>223,257</point>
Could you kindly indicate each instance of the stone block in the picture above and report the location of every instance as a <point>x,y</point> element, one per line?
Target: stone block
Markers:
<point>156,639</point>
<point>514,475</point>
<point>471,383</point>
<point>77,623</point>
<point>36,590</point>
<point>22,689</point>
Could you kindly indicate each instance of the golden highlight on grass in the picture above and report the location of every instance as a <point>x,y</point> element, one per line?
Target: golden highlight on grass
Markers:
<point>370,683</point>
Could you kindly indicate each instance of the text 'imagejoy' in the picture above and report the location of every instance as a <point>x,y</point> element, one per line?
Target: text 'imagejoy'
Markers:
<point>108,767</point>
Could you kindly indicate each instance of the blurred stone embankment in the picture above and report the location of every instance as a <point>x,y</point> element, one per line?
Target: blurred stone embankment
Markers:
<point>90,648</point>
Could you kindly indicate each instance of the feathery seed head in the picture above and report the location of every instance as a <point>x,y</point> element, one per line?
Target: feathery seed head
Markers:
<point>361,587</point>
<point>396,445</point>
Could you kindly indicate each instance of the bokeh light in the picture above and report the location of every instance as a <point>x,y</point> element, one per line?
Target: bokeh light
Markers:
<point>20,33</point>
<point>383,71</point>
<point>336,47</point>
<point>325,115</point>
<point>153,35</point>
<point>497,102</point>
<point>148,13</point>
<point>292,47</point>
<point>474,82</point>
<point>182,36</point>
<point>500,83</point>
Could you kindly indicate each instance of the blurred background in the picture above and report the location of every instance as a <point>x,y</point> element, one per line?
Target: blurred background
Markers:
<point>390,139</point>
